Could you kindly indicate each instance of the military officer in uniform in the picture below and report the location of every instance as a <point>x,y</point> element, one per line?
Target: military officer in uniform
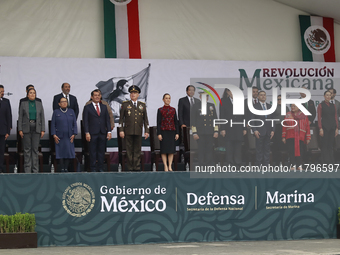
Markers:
<point>133,116</point>
<point>204,131</point>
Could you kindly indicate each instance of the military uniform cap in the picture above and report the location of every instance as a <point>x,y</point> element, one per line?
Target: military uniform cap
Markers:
<point>134,88</point>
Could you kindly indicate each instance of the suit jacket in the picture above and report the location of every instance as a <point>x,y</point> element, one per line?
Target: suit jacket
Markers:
<point>267,127</point>
<point>234,133</point>
<point>311,108</point>
<point>73,103</point>
<point>247,113</point>
<point>95,124</point>
<point>204,124</point>
<point>60,124</point>
<point>184,110</point>
<point>133,118</point>
<point>5,116</point>
<point>112,120</point>
<point>337,106</point>
<point>24,118</point>
<point>26,99</point>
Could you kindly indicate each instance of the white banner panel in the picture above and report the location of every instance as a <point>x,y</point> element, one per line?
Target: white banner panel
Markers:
<point>172,76</point>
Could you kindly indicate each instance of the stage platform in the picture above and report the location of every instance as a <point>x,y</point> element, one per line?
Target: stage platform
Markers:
<point>111,208</point>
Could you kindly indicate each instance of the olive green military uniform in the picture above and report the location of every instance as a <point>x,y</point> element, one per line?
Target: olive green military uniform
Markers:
<point>132,120</point>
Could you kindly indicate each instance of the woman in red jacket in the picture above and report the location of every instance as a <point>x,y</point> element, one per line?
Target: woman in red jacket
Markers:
<point>295,132</point>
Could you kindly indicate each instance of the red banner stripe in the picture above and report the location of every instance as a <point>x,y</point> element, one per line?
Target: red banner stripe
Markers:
<point>328,24</point>
<point>133,25</point>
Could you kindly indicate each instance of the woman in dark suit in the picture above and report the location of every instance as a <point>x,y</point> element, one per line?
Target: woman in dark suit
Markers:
<point>167,131</point>
<point>64,129</point>
<point>328,127</point>
<point>31,127</point>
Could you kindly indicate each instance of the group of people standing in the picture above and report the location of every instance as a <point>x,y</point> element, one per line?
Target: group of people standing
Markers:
<point>98,122</point>
<point>294,135</point>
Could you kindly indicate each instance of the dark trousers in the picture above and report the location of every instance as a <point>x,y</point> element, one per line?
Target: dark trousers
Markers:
<point>133,151</point>
<point>205,149</point>
<point>327,141</point>
<point>233,151</point>
<point>278,146</point>
<point>263,150</point>
<point>2,152</point>
<point>64,162</point>
<point>97,146</point>
<point>295,161</point>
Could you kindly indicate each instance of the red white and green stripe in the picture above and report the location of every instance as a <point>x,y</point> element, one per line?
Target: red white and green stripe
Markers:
<point>121,29</point>
<point>317,38</point>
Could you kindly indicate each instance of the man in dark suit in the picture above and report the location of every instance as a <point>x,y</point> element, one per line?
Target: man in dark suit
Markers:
<point>71,100</point>
<point>28,87</point>
<point>132,117</point>
<point>204,131</point>
<point>334,101</point>
<point>263,133</point>
<point>255,93</point>
<point>310,106</point>
<point>184,106</point>
<point>233,133</point>
<point>6,124</point>
<point>97,128</point>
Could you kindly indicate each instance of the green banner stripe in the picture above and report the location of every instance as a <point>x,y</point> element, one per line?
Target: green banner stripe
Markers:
<point>304,24</point>
<point>109,30</point>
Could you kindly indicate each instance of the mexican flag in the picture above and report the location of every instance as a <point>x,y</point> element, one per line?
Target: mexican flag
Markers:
<point>121,29</point>
<point>317,37</point>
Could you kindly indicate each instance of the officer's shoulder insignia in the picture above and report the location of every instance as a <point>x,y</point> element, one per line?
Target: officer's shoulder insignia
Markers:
<point>126,101</point>
<point>141,102</point>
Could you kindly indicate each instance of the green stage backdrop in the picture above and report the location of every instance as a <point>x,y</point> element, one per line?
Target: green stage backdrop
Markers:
<point>125,208</point>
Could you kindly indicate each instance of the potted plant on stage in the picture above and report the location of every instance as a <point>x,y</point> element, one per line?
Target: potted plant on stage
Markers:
<point>18,231</point>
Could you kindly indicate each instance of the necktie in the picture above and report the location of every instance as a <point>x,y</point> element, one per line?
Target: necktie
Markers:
<point>97,108</point>
<point>191,101</point>
<point>255,101</point>
<point>68,101</point>
<point>264,108</point>
<point>332,101</point>
<point>135,104</point>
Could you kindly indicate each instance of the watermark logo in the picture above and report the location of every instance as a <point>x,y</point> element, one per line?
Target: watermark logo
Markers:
<point>238,100</point>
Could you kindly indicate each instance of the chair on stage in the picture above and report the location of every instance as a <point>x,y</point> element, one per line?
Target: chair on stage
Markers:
<point>6,158</point>
<point>122,151</point>
<point>86,153</point>
<point>155,149</point>
<point>20,152</point>
<point>337,148</point>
